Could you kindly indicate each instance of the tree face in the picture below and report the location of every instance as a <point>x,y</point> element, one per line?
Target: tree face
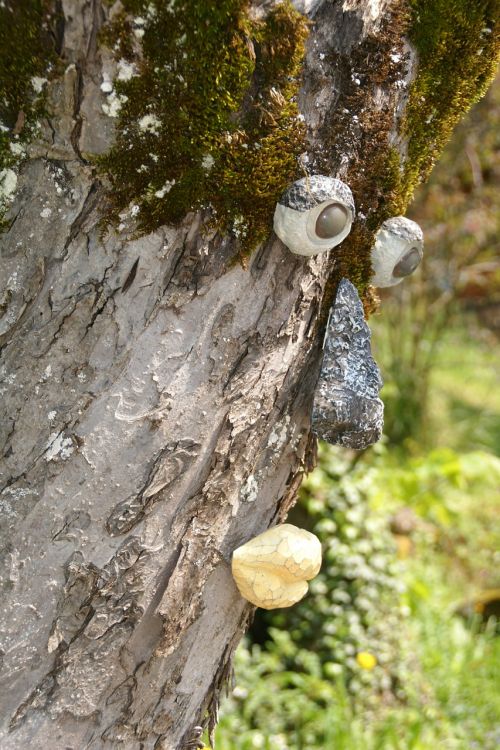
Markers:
<point>159,373</point>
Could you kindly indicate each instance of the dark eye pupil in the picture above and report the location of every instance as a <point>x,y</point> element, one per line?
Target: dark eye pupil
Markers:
<point>408,263</point>
<point>331,221</point>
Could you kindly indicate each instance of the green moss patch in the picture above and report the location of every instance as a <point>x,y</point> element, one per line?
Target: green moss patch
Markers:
<point>458,44</point>
<point>458,48</point>
<point>210,120</point>
<point>354,126</point>
<point>26,57</point>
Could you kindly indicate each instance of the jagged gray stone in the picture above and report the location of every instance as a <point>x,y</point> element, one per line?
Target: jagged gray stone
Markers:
<point>347,410</point>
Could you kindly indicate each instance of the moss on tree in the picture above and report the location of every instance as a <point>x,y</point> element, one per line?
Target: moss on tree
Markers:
<point>356,126</point>
<point>26,57</point>
<point>458,44</point>
<point>211,120</point>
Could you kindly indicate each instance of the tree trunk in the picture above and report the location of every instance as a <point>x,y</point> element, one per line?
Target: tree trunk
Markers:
<point>156,400</point>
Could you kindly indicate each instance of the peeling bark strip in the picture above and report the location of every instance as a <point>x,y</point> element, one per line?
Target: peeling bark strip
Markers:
<point>156,395</point>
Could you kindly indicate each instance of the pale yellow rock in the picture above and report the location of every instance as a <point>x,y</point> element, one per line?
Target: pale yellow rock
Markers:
<point>272,569</point>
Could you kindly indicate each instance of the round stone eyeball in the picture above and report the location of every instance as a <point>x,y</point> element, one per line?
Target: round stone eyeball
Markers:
<point>314,214</point>
<point>398,250</point>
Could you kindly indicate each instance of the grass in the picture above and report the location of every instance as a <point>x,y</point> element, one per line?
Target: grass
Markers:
<point>465,397</point>
<point>456,706</point>
<point>447,694</point>
<point>451,700</point>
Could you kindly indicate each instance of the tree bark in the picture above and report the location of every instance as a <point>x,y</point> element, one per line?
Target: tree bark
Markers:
<point>156,407</point>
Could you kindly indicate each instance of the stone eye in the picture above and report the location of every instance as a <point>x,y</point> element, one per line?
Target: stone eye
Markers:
<point>408,263</point>
<point>314,214</point>
<point>331,221</point>
<point>397,251</point>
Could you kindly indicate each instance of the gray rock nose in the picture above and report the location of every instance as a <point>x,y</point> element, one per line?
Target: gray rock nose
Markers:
<point>347,409</point>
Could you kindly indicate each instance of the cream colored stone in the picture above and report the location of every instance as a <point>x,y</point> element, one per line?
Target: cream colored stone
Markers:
<point>272,569</point>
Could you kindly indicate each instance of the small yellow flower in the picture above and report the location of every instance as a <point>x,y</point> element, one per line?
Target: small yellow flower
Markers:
<point>366,660</point>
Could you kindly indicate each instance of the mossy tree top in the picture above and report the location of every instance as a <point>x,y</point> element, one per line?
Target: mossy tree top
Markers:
<point>206,107</point>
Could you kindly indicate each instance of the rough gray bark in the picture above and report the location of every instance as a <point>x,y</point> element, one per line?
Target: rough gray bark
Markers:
<point>150,424</point>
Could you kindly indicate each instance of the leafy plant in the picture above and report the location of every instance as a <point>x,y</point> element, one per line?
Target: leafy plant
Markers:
<point>311,685</point>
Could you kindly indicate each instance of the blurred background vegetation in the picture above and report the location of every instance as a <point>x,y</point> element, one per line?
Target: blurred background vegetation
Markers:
<point>397,645</point>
